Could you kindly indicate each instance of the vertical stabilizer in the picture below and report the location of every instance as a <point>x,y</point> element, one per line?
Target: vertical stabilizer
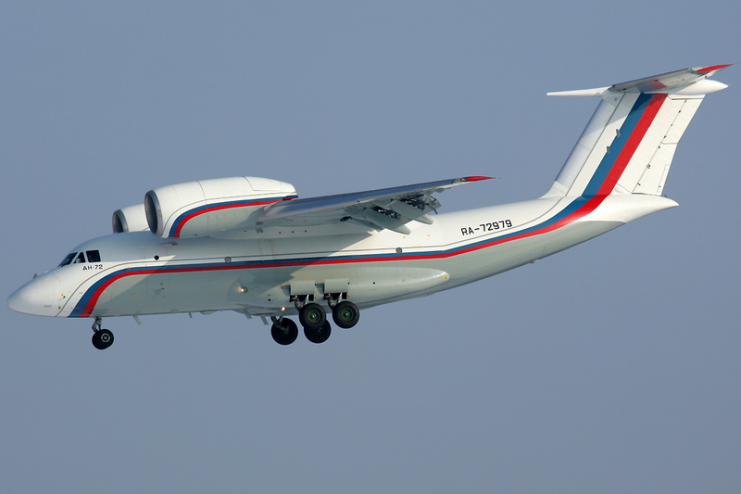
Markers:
<point>628,145</point>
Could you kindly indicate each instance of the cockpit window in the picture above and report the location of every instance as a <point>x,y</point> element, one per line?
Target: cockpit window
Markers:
<point>68,259</point>
<point>80,258</point>
<point>93,256</point>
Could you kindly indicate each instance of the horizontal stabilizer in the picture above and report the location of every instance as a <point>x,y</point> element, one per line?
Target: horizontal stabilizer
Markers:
<point>580,92</point>
<point>686,81</point>
<point>671,80</point>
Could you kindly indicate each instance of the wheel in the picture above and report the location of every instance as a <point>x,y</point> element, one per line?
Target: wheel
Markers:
<point>286,333</point>
<point>318,335</point>
<point>346,314</point>
<point>312,316</point>
<point>102,339</point>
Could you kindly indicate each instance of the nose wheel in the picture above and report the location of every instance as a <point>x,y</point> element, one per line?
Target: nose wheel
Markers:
<point>102,338</point>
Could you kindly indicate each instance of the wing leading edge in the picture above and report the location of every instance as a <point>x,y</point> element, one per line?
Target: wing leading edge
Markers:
<point>379,209</point>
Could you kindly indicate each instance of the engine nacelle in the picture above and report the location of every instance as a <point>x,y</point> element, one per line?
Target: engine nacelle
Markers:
<point>130,219</point>
<point>209,207</point>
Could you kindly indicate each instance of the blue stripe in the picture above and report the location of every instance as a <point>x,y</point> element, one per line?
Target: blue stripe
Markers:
<point>256,264</point>
<point>591,190</point>
<point>616,147</point>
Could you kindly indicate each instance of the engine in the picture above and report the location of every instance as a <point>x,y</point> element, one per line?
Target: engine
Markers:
<point>209,207</point>
<point>130,219</point>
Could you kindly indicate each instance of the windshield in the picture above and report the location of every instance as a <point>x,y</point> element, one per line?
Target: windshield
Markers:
<point>79,257</point>
<point>68,259</point>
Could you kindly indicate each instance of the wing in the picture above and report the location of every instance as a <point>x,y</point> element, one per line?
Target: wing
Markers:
<point>377,209</point>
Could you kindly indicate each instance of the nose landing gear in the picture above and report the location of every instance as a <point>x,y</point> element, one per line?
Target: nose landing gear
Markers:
<point>102,338</point>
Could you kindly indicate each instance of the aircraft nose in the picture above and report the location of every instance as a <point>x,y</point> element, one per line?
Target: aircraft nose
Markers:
<point>40,296</point>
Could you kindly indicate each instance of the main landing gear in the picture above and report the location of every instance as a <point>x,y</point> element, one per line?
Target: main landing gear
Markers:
<point>313,318</point>
<point>345,314</point>
<point>284,331</point>
<point>102,338</point>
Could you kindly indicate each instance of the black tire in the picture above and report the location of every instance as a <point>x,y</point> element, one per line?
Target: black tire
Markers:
<point>102,339</point>
<point>285,334</point>
<point>318,335</point>
<point>346,314</point>
<point>312,316</point>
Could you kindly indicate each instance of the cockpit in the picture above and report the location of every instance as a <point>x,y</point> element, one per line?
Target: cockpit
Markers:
<point>81,257</point>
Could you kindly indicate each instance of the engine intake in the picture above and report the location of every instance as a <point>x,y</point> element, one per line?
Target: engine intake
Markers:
<point>208,207</point>
<point>130,219</point>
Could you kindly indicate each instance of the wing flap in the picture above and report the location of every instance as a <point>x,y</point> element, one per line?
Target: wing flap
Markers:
<point>416,212</point>
<point>386,221</point>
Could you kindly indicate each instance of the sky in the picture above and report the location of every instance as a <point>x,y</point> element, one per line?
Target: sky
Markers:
<point>611,367</point>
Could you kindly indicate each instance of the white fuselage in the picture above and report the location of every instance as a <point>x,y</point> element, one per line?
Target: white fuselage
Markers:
<point>257,272</point>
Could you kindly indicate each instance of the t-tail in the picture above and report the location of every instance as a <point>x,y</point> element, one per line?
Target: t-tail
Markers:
<point>628,145</point>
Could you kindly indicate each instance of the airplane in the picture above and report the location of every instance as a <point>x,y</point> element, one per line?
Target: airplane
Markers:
<point>250,245</point>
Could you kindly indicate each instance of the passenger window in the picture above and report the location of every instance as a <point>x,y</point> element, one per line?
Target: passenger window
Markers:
<point>80,258</point>
<point>68,259</point>
<point>93,256</point>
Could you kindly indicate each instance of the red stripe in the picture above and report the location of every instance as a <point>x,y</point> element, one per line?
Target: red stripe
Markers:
<point>636,137</point>
<point>639,132</point>
<point>714,67</point>
<point>94,298</point>
<point>608,185</point>
<point>217,208</point>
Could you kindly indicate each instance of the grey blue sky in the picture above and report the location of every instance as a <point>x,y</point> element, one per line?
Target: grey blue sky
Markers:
<point>612,367</point>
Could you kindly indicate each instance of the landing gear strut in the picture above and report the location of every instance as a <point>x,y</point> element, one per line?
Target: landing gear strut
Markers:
<point>102,338</point>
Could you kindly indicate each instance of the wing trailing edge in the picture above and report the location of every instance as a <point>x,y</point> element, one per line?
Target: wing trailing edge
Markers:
<point>390,208</point>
